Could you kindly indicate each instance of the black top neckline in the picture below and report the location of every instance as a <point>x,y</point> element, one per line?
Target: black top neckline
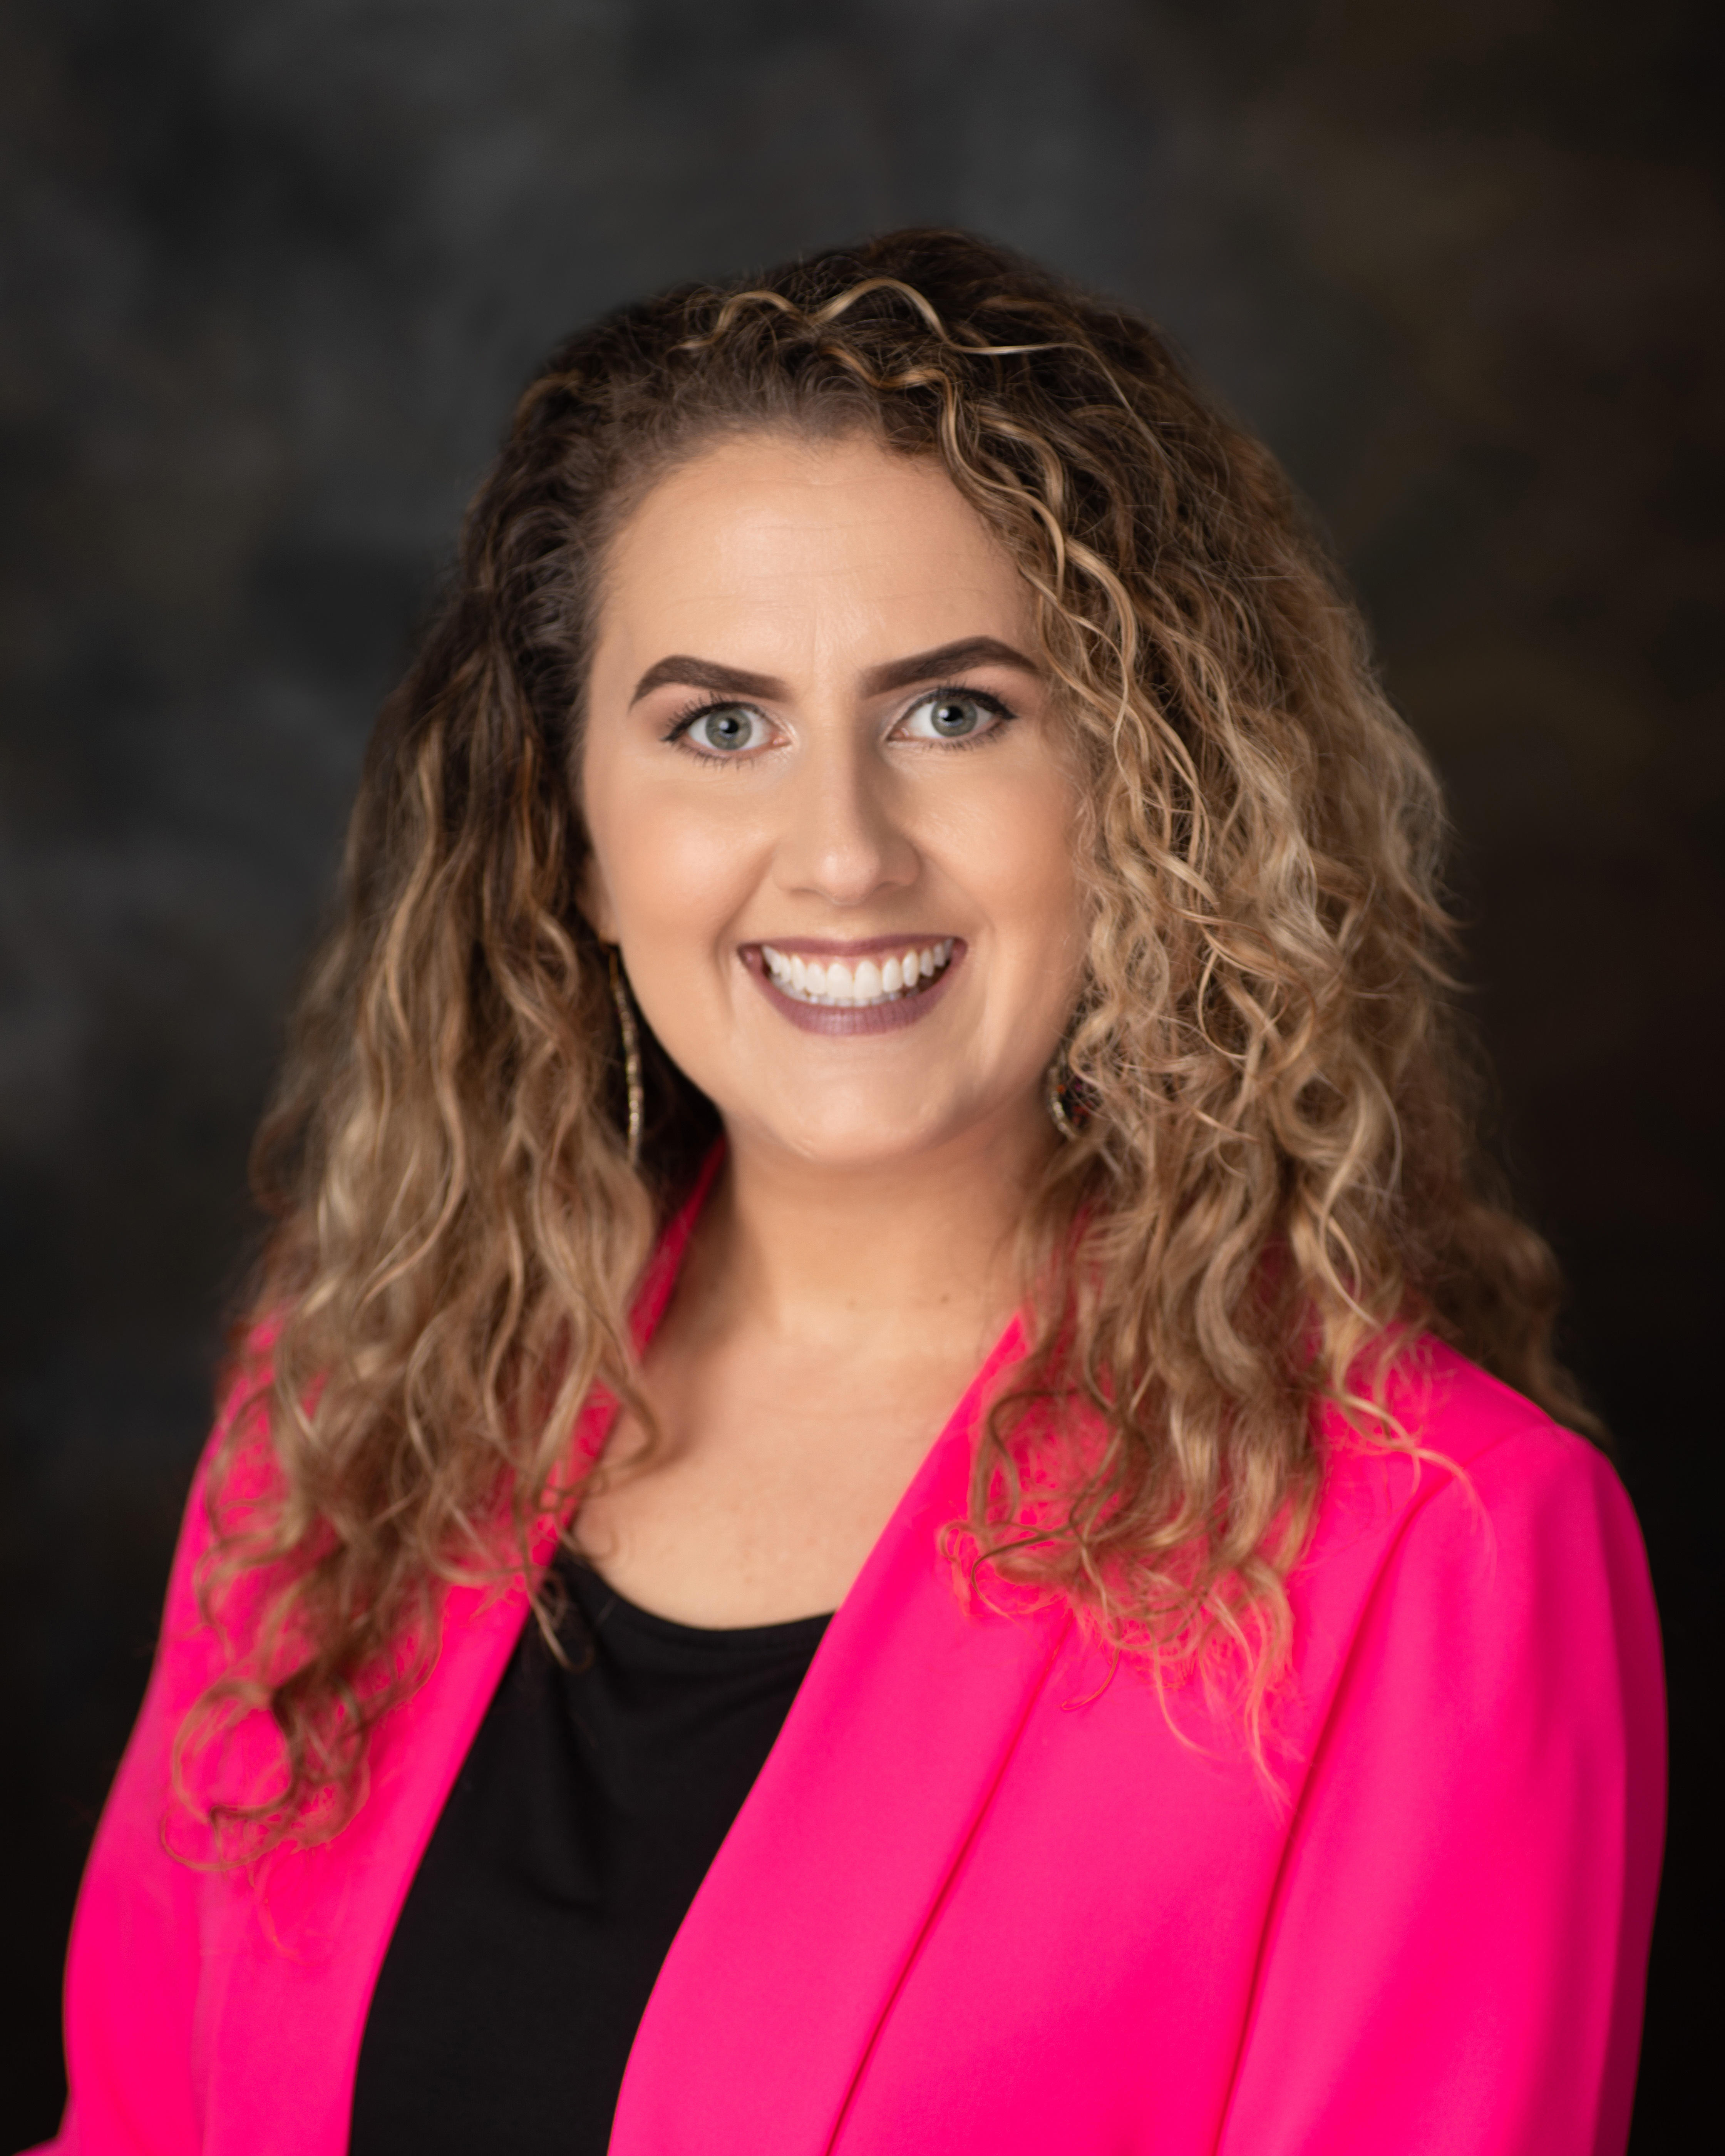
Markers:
<point>596,1793</point>
<point>601,1603</point>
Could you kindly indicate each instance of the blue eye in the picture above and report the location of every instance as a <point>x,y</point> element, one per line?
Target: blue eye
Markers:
<point>952,714</point>
<point>727,728</point>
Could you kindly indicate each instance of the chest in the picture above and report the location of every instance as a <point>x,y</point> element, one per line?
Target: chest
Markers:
<point>973,1899</point>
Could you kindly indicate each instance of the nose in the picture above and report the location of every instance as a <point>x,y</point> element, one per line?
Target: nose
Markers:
<point>842,839</point>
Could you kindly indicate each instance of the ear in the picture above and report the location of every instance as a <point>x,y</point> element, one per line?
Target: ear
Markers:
<point>593,895</point>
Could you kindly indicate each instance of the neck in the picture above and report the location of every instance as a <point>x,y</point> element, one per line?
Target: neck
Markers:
<point>801,1250</point>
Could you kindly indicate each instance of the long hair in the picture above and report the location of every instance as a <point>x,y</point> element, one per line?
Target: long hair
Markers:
<point>1274,1188</point>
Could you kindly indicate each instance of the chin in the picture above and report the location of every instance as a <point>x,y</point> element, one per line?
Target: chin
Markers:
<point>854,1143</point>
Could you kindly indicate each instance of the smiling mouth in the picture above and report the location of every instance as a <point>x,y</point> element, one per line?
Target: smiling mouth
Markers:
<point>861,984</point>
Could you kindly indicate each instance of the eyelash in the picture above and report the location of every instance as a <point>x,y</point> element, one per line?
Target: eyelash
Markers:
<point>678,730</point>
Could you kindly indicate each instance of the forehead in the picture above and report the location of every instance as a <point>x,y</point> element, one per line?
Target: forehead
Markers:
<point>777,538</point>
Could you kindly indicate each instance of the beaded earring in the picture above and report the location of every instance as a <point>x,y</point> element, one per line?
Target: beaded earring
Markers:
<point>631,1058</point>
<point>1068,1099</point>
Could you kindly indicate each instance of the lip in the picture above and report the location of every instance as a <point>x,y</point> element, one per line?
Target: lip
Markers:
<point>871,1018</point>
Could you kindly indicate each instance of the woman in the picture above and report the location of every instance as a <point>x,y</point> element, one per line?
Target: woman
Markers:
<point>892,883</point>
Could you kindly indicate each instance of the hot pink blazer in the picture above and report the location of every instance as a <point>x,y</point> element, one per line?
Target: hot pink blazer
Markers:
<point>986,1895</point>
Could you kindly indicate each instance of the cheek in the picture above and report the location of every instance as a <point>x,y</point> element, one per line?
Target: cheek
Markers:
<point>673,874</point>
<point>1026,860</point>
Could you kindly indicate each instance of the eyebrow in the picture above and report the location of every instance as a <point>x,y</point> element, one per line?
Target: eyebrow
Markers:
<point>879,681</point>
<point>705,673</point>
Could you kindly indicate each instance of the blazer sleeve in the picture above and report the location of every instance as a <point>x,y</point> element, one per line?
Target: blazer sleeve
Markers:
<point>133,1966</point>
<point>1456,1952</point>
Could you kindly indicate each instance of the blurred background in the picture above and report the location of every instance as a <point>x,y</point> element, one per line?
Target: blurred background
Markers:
<point>273,272</point>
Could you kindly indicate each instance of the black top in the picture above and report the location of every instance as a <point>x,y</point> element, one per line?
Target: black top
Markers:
<point>584,1817</point>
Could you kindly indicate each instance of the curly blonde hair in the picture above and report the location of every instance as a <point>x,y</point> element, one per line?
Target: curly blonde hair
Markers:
<point>1274,1187</point>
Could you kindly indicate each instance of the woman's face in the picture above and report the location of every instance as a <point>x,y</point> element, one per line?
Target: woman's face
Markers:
<point>832,828</point>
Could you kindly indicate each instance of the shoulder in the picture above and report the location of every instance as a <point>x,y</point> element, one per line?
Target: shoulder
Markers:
<point>1466,1451</point>
<point>237,1480</point>
<point>1489,1535</point>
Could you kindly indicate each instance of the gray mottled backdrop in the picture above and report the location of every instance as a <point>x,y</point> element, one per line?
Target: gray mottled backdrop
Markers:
<point>272,271</point>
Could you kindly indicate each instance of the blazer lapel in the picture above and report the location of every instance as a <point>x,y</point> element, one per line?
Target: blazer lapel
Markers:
<point>768,2002</point>
<point>296,1954</point>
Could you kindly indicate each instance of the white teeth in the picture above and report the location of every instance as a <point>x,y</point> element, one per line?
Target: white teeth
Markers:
<point>835,982</point>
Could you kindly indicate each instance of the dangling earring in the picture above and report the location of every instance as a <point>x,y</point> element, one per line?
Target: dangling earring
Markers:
<point>1067,1098</point>
<point>631,1058</point>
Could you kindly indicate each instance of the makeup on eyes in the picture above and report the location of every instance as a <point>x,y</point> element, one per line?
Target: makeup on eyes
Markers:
<point>681,727</point>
